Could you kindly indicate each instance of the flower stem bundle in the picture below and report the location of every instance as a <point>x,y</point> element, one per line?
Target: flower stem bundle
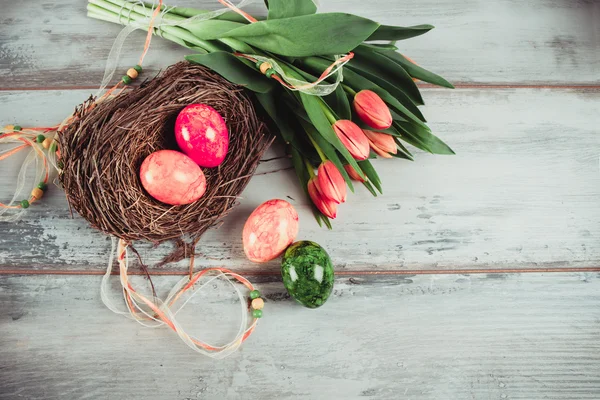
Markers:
<point>334,84</point>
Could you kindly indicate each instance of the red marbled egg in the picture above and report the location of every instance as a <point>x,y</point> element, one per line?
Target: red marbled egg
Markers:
<point>202,134</point>
<point>172,177</point>
<point>269,230</point>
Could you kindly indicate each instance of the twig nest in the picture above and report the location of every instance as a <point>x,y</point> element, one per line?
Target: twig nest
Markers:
<point>104,148</point>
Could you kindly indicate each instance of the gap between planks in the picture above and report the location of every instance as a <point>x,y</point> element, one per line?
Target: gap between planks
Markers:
<point>341,273</point>
<point>421,86</point>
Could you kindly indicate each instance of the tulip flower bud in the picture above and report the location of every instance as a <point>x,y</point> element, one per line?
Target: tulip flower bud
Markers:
<point>326,206</point>
<point>353,174</point>
<point>381,143</point>
<point>372,110</point>
<point>331,182</point>
<point>353,138</point>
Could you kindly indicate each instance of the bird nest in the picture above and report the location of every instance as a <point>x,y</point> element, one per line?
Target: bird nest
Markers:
<point>102,152</point>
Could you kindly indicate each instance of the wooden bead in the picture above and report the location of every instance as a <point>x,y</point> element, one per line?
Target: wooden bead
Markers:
<point>9,128</point>
<point>132,73</point>
<point>37,193</point>
<point>264,67</point>
<point>258,304</point>
<point>47,143</point>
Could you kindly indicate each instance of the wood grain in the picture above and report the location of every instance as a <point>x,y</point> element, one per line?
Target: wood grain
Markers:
<point>523,191</point>
<point>418,337</point>
<point>53,44</point>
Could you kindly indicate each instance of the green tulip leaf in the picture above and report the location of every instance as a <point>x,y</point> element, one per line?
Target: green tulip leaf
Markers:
<point>290,8</point>
<point>303,177</point>
<point>234,70</point>
<point>380,66</point>
<point>370,188</point>
<point>208,29</point>
<point>386,32</point>
<point>415,71</point>
<point>368,169</point>
<point>328,150</point>
<point>378,46</point>
<point>267,101</point>
<point>321,123</point>
<point>393,90</point>
<point>187,12</point>
<point>358,82</point>
<point>422,138</point>
<point>402,151</point>
<point>318,34</point>
<point>310,109</point>
<point>338,101</point>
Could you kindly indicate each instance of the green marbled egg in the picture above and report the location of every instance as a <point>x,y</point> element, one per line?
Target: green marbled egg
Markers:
<point>307,273</point>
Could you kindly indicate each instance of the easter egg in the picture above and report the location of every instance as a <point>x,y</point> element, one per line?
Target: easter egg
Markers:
<point>172,177</point>
<point>307,273</point>
<point>202,134</point>
<point>269,230</point>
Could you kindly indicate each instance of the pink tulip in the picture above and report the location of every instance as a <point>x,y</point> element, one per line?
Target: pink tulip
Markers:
<point>326,206</point>
<point>331,182</point>
<point>353,138</point>
<point>381,143</point>
<point>353,174</point>
<point>372,110</point>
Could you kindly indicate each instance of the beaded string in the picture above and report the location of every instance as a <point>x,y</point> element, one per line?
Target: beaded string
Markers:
<point>271,69</point>
<point>153,313</point>
<point>14,133</point>
<point>30,137</point>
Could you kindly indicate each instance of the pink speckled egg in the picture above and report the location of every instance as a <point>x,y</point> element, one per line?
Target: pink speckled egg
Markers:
<point>269,230</point>
<point>202,134</point>
<point>172,177</point>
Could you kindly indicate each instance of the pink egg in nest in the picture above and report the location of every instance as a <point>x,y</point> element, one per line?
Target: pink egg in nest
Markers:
<point>202,134</point>
<point>269,230</point>
<point>172,177</point>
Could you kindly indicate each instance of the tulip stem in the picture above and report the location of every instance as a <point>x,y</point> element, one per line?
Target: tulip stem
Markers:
<point>319,151</point>
<point>349,90</point>
<point>332,119</point>
<point>310,168</point>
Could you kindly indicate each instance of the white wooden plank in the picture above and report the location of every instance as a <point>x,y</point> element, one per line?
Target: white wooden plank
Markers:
<point>53,43</point>
<point>529,336</point>
<point>523,191</point>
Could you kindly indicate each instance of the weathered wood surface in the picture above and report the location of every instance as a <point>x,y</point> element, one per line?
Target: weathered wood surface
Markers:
<point>529,336</point>
<point>523,191</point>
<point>52,43</point>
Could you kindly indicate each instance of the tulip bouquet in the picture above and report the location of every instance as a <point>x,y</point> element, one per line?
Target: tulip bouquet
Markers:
<point>333,84</point>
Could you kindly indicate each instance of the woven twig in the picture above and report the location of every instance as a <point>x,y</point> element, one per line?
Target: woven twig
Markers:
<point>103,150</point>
